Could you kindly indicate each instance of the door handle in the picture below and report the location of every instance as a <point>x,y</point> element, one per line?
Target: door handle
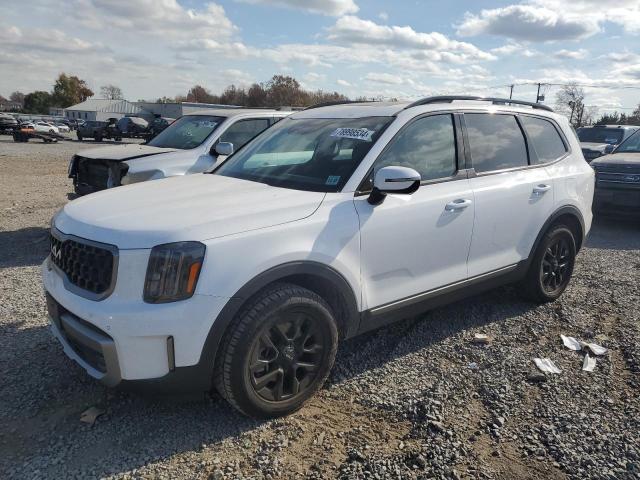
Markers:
<point>542,188</point>
<point>457,205</point>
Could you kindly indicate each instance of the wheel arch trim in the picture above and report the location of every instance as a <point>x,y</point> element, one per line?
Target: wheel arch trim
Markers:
<point>281,272</point>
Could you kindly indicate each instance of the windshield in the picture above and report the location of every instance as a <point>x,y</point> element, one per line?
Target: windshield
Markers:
<point>187,132</point>
<point>316,154</point>
<point>612,136</point>
<point>631,144</point>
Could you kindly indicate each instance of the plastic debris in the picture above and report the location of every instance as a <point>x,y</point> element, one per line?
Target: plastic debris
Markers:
<point>473,366</point>
<point>595,348</point>
<point>91,414</point>
<point>589,363</point>
<point>577,345</point>
<point>571,343</point>
<point>481,339</point>
<point>546,365</point>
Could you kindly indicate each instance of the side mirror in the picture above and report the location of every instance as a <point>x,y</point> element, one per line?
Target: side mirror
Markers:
<point>609,148</point>
<point>224,148</point>
<point>393,179</point>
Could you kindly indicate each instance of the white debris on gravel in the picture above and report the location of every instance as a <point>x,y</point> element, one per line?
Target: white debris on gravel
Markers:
<point>546,365</point>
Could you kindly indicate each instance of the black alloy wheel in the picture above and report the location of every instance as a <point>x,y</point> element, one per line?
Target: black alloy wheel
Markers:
<point>286,357</point>
<point>556,265</point>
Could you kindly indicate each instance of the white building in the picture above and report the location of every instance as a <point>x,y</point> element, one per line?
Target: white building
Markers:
<point>102,109</point>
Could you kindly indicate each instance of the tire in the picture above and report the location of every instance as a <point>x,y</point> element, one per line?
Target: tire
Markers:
<point>552,266</point>
<point>281,328</point>
<point>97,137</point>
<point>79,136</point>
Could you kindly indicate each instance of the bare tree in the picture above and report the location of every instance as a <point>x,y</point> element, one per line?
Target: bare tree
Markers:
<point>111,92</point>
<point>17,97</point>
<point>570,101</point>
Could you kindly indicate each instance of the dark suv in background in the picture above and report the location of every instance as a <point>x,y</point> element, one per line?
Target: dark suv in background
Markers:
<point>618,180</point>
<point>599,140</point>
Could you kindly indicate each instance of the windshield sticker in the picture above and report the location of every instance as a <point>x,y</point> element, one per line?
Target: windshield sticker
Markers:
<point>354,133</point>
<point>332,180</point>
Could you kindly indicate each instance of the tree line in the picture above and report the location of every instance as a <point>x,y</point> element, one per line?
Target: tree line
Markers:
<point>570,101</point>
<point>280,90</point>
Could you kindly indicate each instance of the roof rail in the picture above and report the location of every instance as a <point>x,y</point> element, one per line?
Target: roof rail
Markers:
<point>329,104</point>
<point>495,101</point>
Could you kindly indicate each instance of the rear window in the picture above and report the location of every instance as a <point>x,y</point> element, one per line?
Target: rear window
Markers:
<point>545,140</point>
<point>496,142</point>
<point>612,136</point>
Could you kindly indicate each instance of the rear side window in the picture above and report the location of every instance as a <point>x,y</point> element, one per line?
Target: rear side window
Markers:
<point>545,140</point>
<point>496,142</point>
<point>244,130</point>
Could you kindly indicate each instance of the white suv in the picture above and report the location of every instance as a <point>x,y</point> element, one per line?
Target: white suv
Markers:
<point>334,221</point>
<point>194,143</point>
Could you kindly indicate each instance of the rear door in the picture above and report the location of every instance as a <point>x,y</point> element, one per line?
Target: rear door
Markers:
<point>513,195</point>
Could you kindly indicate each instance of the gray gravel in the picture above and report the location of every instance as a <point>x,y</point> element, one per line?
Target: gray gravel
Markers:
<point>417,399</point>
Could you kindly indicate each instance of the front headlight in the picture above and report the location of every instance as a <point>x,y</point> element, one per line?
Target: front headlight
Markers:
<point>172,272</point>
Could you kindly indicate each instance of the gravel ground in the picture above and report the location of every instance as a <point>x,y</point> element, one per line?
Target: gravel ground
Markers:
<point>417,399</point>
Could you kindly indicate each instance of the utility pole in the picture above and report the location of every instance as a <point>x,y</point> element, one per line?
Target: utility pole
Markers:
<point>511,92</point>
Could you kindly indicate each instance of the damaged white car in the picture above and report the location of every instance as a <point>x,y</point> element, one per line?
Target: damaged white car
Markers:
<point>194,143</point>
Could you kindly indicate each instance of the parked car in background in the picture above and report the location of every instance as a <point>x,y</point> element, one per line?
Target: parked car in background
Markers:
<point>45,127</point>
<point>599,140</point>
<point>157,125</point>
<point>8,123</point>
<point>132,127</point>
<point>194,143</point>
<point>618,180</point>
<point>63,128</point>
<point>98,130</point>
<point>335,221</point>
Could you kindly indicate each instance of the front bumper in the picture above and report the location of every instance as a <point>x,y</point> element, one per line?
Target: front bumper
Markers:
<point>121,339</point>
<point>617,201</point>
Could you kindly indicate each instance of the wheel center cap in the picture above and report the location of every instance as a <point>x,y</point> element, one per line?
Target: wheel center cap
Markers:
<point>289,351</point>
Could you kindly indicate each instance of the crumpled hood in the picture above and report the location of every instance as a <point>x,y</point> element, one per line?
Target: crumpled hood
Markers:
<point>598,147</point>
<point>629,159</point>
<point>195,207</point>
<point>126,151</point>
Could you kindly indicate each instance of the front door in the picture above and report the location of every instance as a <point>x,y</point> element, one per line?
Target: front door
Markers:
<point>411,244</point>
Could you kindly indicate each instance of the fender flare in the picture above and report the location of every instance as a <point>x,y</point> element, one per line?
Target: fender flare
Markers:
<point>565,210</point>
<point>232,307</point>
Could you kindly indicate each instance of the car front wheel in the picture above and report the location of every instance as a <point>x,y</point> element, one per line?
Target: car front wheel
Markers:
<point>552,265</point>
<point>277,352</point>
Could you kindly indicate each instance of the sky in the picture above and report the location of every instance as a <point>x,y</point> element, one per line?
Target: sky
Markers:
<point>373,48</point>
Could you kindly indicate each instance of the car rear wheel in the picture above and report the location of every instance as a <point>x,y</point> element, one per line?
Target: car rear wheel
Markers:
<point>97,137</point>
<point>79,136</point>
<point>552,265</point>
<point>277,353</point>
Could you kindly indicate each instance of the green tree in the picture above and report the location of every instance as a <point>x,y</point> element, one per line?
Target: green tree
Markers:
<point>37,102</point>
<point>70,90</point>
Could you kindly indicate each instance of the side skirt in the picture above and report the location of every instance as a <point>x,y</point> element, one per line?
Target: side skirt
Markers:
<point>423,302</point>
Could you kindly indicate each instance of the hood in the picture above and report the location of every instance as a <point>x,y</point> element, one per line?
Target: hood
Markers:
<point>598,147</point>
<point>123,152</point>
<point>629,159</point>
<point>194,207</point>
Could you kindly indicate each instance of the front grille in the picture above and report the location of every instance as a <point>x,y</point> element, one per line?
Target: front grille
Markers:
<point>94,173</point>
<point>621,175</point>
<point>86,265</point>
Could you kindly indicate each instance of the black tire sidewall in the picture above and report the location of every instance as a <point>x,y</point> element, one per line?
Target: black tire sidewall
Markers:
<point>242,390</point>
<point>536,280</point>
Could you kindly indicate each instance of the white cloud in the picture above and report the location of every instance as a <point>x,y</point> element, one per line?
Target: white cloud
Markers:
<point>384,16</point>
<point>571,54</point>
<point>48,40</point>
<point>514,48</point>
<point>350,29</point>
<point>549,20</point>
<point>333,8</point>
<point>343,83</point>
<point>386,78</point>
<point>527,22</point>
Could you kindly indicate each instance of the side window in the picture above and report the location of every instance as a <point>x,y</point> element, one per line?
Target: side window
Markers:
<point>496,142</point>
<point>244,130</point>
<point>428,145</point>
<point>545,139</point>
